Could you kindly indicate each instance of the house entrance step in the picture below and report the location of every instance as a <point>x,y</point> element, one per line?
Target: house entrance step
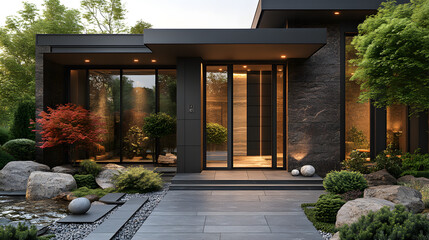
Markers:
<point>297,181</point>
<point>246,187</point>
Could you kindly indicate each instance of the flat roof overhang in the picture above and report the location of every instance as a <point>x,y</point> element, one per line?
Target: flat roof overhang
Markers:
<point>275,14</point>
<point>166,45</point>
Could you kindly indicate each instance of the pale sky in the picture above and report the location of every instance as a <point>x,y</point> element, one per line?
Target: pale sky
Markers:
<point>169,13</point>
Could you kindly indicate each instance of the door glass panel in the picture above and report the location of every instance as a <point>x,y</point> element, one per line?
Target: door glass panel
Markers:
<point>252,118</point>
<point>280,120</point>
<point>397,119</point>
<point>167,104</point>
<point>104,91</point>
<point>216,116</point>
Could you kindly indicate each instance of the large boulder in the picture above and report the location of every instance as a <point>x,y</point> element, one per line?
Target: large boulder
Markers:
<point>409,179</point>
<point>410,198</point>
<point>44,185</point>
<point>105,178</point>
<point>14,176</point>
<point>351,211</point>
<point>381,177</point>
<point>65,169</point>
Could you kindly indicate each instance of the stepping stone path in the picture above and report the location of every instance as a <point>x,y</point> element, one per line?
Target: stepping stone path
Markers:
<point>114,223</point>
<point>112,198</point>
<point>94,213</point>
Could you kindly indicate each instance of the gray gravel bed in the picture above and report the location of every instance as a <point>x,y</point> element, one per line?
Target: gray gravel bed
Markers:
<point>325,236</point>
<point>75,231</point>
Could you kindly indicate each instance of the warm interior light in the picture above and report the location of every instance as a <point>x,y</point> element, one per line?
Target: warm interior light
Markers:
<point>153,60</point>
<point>136,60</point>
<point>244,66</point>
<point>280,70</point>
<point>87,60</point>
<point>283,56</point>
<point>220,69</point>
<point>337,13</point>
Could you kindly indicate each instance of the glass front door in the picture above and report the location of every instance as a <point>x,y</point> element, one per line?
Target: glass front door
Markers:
<point>244,117</point>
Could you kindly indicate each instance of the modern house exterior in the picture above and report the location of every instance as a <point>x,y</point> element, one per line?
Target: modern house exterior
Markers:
<point>280,90</point>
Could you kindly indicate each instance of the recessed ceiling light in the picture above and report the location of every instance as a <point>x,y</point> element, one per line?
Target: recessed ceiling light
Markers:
<point>87,60</point>
<point>153,60</point>
<point>244,66</point>
<point>283,56</point>
<point>337,13</point>
<point>136,60</point>
<point>220,69</point>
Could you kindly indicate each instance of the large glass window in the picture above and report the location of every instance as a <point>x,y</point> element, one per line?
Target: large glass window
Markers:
<point>138,102</point>
<point>280,117</point>
<point>397,131</point>
<point>216,116</point>
<point>104,100</point>
<point>167,104</point>
<point>357,124</point>
<point>123,113</point>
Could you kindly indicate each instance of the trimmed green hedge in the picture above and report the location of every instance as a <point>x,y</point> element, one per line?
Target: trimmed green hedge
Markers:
<point>5,158</point>
<point>327,207</point>
<point>21,149</point>
<point>344,181</point>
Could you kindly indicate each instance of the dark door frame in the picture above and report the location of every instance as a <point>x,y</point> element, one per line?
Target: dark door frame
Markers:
<point>230,144</point>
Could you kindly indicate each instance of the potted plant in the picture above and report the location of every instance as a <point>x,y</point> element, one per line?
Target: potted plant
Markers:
<point>158,125</point>
<point>70,125</point>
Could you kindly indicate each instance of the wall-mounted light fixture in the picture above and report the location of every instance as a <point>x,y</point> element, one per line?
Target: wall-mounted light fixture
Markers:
<point>87,60</point>
<point>336,13</point>
<point>136,60</point>
<point>283,56</point>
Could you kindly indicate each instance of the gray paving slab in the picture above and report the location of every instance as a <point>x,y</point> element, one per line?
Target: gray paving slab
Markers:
<point>272,236</point>
<point>111,197</point>
<point>236,229</point>
<point>171,229</point>
<point>243,192</point>
<point>94,213</point>
<point>175,220</point>
<point>236,220</point>
<point>176,236</point>
<point>213,198</point>
<point>14,193</point>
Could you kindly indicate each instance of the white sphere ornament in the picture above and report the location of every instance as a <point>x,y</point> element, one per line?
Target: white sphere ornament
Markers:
<point>295,172</point>
<point>308,171</point>
<point>79,206</point>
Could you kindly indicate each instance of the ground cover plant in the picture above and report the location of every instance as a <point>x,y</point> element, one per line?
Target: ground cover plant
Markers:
<point>339,182</point>
<point>83,191</point>
<point>310,212</point>
<point>21,149</point>
<point>21,232</point>
<point>398,224</point>
<point>138,179</point>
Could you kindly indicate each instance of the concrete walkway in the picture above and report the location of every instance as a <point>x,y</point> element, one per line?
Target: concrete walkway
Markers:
<point>228,215</point>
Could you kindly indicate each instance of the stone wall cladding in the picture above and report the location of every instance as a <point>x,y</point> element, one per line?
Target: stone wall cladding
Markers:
<point>314,107</point>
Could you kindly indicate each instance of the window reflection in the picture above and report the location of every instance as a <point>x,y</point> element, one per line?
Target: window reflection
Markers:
<point>396,132</point>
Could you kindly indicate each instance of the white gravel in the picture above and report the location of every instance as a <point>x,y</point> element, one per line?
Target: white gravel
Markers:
<point>325,236</point>
<point>74,231</point>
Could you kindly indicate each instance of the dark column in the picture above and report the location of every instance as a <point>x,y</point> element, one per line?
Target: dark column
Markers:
<point>189,115</point>
<point>50,91</point>
<point>418,133</point>
<point>378,131</point>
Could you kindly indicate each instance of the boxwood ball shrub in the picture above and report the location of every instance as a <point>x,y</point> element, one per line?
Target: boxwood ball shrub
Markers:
<point>21,149</point>
<point>89,166</point>
<point>5,158</point>
<point>327,207</point>
<point>216,133</point>
<point>138,179</point>
<point>398,224</point>
<point>4,136</point>
<point>87,180</point>
<point>158,125</point>
<point>339,182</point>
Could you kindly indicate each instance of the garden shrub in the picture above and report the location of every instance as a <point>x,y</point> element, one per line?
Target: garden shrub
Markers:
<point>327,207</point>
<point>138,179</point>
<point>20,232</point>
<point>21,126</point>
<point>135,143</point>
<point>351,195</point>
<point>398,224</point>
<point>89,166</point>
<point>344,181</point>
<point>216,133</point>
<point>310,212</point>
<point>357,162</point>
<point>87,180</point>
<point>21,149</point>
<point>158,125</point>
<point>83,191</point>
<point>4,135</point>
<point>415,162</point>
<point>390,161</point>
<point>5,158</point>
<point>416,173</point>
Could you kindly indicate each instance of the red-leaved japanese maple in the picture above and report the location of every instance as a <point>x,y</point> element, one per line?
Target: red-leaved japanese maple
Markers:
<point>70,124</point>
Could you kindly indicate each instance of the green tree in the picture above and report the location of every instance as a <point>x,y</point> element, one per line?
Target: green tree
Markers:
<point>17,55</point>
<point>140,27</point>
<point>393,55</point>
<point>104,16</point>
